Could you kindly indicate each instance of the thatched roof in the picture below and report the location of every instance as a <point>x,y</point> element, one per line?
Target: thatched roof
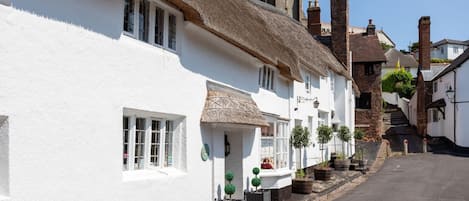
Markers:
<point>393,56</point>
<point>225,105</point>
<point>263,32</point>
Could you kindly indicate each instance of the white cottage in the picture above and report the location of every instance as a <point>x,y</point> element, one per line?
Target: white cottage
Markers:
<point>144,100</point>
<point>449,109</point>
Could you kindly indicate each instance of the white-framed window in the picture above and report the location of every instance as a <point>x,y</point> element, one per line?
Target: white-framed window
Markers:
<point>435,87</point>
<point>332,77</point>
<point>308,83</point>
<point>151,22</point>
<point>322,118</point>
<point>267,76</point>
<point>455,49</point>
<point>274,145</point>
<point>433,115</point>
<point>149,140</point>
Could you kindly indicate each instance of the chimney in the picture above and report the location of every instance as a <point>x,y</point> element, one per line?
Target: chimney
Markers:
<point>314,18</point>
<point>340,31</point>
<point>371,28</point>
<point>424,43</point>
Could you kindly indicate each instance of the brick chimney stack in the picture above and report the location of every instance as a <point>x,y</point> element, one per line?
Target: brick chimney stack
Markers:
<point>314,18</point>
<point>424,43</point>
<point>371,28</point>
<point>340,31</point>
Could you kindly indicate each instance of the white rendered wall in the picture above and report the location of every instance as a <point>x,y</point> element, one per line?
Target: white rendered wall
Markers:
<point>413,110</point>
<point>462,109</point>
<point>67,86</point>
<point>4,157</point>
<point>448,51</point>
<point>443,127</point>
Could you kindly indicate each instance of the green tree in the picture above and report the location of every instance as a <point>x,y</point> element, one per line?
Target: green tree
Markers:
<point>414,47</point>
<point>386,47</point>
<point>399,81</point>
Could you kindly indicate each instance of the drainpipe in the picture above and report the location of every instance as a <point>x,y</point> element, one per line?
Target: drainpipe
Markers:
<point>454,109</point>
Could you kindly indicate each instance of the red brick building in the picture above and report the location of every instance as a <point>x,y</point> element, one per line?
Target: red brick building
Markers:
<point>363,56</point>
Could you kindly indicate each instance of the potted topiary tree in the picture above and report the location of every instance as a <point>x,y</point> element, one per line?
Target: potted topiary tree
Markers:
<point>358,135</point>
<point>258,194</point>
<point>323,171</point>
<point>342,162</point>
<point>230,189</point>
<point>300,138</point>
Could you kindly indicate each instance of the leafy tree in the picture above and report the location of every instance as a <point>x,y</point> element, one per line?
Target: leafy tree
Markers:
<point>386,47</point>
<point>414,47</point>
<point>399,81</point>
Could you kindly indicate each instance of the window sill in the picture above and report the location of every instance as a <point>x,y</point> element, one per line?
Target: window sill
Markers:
<point>151,174</point>
<point>275,173</point>
<point>148,44</point>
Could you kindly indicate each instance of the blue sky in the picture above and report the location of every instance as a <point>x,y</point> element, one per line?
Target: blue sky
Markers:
<point>399,18</point>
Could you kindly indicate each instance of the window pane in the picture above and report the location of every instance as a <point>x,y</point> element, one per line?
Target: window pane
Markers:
<point>264,76</point>
<point>159,26</point>
<point>267,146</point>
<point>126,142</point>
<point>139,143</point>
<point>143,15</point>
<point>168,145</point>
<point>129,16</point>
<point>272,80</point>
<point>155,142</point>
<point>172,32</point>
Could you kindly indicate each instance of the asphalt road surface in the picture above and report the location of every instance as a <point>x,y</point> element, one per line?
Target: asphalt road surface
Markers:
<point>422,177</point>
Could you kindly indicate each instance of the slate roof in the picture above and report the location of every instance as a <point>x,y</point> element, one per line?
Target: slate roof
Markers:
<point>450,41</point>
<point>393,55</point>
<point>455,64</point>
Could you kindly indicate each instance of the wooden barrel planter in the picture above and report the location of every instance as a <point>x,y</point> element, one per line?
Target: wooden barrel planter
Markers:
<point>302,186</point>
<point>323,174</point>
<point>342,165</point>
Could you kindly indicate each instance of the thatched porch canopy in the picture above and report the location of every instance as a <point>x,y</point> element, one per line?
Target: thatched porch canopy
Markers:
<point>225,105</point>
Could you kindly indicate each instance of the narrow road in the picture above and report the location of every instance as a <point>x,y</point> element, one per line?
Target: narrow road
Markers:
<point>422,177</point>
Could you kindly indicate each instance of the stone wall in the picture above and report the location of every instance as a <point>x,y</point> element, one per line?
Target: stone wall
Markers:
<point>369,84</point>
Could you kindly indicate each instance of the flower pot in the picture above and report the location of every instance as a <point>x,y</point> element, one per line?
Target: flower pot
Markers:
<point>302,186</point>
<point>362,163</point>
<point>323,174</point>
<point>260,195</point>
<point>342,164</point>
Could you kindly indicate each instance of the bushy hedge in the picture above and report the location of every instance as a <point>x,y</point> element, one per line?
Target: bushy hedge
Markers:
<point>399,81</point>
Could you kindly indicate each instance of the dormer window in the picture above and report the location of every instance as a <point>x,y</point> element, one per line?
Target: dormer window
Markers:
<point>271,2</point>
<point>267,78</point>
<point>151,22</point>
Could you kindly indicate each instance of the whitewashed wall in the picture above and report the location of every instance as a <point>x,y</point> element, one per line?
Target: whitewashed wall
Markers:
<point>462,109</point>
<point>340,100</point>
<point>66,78</point>
<point>413,110</point>
<point>444,126</point>
<point>448,51</point>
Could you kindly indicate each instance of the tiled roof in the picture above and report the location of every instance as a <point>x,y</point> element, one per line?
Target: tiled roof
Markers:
<point>366,48</point>
<point>450,41</point>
